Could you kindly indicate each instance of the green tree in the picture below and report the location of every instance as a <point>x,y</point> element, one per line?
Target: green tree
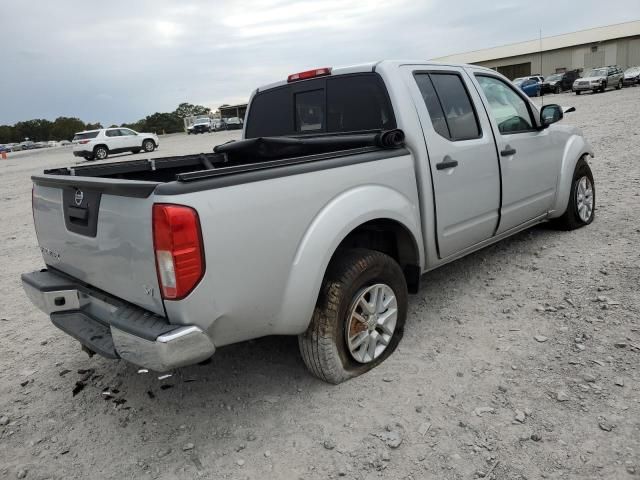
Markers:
<point>7,134</point>
<point>64,128</point>
<point>188,110</point>
<point>38,130</point>
<point>164,123</point>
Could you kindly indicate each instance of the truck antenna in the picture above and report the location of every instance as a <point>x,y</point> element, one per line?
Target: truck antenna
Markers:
<point>540,49</point>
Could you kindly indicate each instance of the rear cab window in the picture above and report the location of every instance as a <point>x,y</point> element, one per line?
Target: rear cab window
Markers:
<point>327,105</point>
<point>85,135</point>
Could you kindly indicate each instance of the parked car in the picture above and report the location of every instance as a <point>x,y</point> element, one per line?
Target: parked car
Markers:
<point>599,79</point>
<point>529,86</point>
<point>631,77</point>
<point>201,125</point>
<point>219,124</point>
<point>559,82</point>
<point>27,145</point>
<point>64,143</point>
<point>99,144</point>
<point>317,224</point>
<point>5,149</point>
<point>233,123</point>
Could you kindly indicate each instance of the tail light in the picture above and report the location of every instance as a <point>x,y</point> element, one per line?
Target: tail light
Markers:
<point>177,242</point>
<point>316,72</point>
<point>83,141</point>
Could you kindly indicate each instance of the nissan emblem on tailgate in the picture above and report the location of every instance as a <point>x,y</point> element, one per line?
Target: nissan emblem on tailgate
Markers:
<point>78,197</point>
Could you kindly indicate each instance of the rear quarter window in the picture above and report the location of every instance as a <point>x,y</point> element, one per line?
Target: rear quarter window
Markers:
<point>85,135</point>
<point>345,103</point>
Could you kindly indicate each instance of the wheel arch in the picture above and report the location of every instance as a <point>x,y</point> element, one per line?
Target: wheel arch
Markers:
<point>95,147</point>
<point>575,149</point>
<point>371,216</point>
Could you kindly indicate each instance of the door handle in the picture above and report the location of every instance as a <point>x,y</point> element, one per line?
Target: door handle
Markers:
<point>508,151</point>
<point>446,162</point>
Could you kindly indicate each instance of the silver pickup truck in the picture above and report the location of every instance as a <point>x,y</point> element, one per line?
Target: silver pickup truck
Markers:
<point>348,186</point>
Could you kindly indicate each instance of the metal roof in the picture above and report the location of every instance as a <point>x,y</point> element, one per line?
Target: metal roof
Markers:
<point>591,35</point>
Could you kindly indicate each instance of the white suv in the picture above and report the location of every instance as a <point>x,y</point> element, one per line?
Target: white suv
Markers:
<point>98,144</point>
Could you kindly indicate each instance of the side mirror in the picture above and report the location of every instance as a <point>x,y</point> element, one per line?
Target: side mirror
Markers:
<point>550,114</point>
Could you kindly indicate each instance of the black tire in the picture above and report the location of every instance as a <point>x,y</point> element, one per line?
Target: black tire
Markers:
<point>557,90</point>
<point>578,92</point>
<point>619,86</point>
<point>148,145</point>
<point>570,219</point>
<point>324,346</point>
<point>101,152</point>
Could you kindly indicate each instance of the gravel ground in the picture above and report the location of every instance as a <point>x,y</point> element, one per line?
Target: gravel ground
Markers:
<point>518,362</point>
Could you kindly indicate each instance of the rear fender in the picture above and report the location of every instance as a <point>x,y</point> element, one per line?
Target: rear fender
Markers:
<point>575,148</point>
<point>330,226</point>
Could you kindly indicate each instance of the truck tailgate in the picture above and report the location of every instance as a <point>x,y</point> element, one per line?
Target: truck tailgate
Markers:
<point>99,231</point>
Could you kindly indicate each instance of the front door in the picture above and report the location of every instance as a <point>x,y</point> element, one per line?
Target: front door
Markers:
<point>129,138</point>
<point>462,156</point>
<point>528,160</point>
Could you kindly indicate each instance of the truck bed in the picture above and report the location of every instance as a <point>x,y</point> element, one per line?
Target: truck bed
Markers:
<point>236,157</point>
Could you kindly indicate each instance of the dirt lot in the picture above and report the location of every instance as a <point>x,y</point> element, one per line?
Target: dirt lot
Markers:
<point>518,362</point>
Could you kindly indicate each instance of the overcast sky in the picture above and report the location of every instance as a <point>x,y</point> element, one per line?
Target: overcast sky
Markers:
<point>119,60</point>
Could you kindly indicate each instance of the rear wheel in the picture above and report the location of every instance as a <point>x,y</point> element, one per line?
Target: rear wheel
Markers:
<point>619,86</point>
<point>557,89</point>
<point>359,317</point>
<point>100,152</point>
<point>148,146</point>
<point>582,199</point>
<point>578,92</point>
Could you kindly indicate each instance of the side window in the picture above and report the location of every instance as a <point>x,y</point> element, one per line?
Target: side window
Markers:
<point>449,105</point>
<point>125,132</point>
<point>112,133</point>
<point>309,110</point>
<point>433,104</point>
<point>508,109</point>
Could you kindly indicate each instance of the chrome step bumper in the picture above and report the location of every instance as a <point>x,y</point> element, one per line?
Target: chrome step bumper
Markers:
<point>114,328</point>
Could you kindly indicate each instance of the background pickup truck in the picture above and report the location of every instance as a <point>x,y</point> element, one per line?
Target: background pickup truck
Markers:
<point>348,186</point>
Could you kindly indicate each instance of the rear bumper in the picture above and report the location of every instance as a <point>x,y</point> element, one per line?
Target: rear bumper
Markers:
<point>114,328</point>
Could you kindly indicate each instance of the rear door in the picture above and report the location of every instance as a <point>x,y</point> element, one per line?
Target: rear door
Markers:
<point>114,140</point>
<point>462,156</point>
<point>529,162</point>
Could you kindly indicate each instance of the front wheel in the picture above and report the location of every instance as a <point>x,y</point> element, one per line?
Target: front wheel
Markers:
<point>578,92</point>
<point>148,146</point>
<point>619,86</point>
<point>557,90</point>
<point>582,199</point>
<point>359,317</point>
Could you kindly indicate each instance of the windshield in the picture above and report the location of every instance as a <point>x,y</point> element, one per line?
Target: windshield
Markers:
<point>597,72</point>
<point>202,119</point>
<point>554,78</point>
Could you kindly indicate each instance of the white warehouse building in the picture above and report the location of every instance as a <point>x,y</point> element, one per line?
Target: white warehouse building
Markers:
<point>596,47</point>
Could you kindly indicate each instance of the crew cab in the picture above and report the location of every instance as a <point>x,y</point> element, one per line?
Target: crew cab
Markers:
<point>99,144</point>
<point>348,187</point>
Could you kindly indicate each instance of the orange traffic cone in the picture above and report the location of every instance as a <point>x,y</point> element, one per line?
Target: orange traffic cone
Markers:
<point>4,155</point>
